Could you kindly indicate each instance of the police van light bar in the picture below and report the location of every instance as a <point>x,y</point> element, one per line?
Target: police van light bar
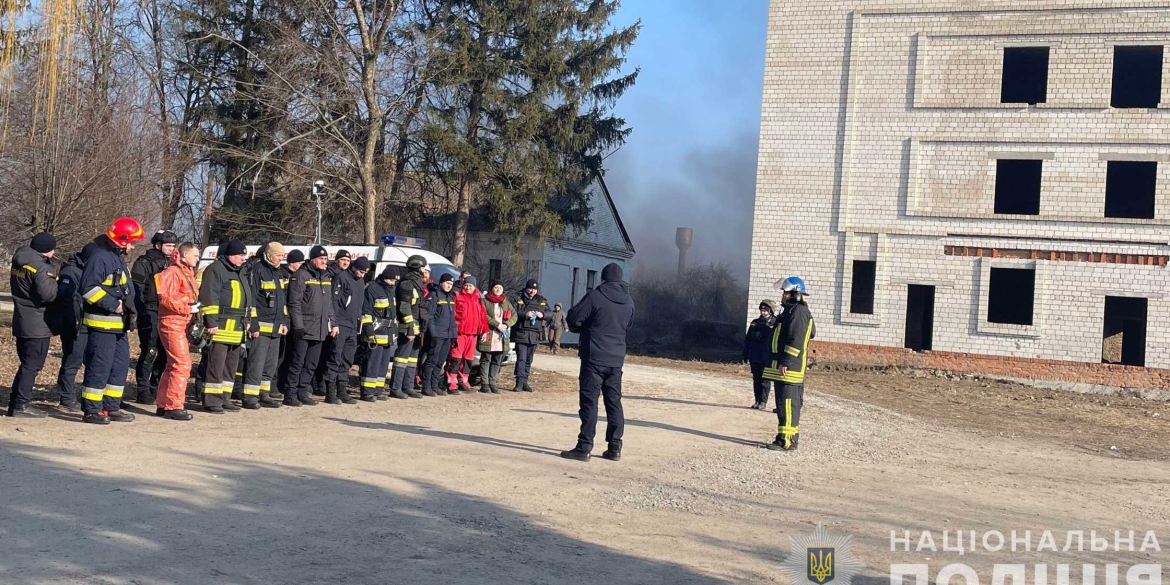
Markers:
<point>403,241</point>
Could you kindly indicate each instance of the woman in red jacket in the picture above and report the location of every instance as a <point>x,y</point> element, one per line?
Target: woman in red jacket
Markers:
<point>471,319</point>
<point>177,292</point>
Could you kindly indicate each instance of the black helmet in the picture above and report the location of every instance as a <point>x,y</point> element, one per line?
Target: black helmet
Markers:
<point>197,335</point>
<point>164,237</point>
<point>416,262</point>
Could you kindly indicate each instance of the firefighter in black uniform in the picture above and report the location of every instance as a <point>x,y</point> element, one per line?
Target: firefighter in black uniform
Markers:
<point>34,287</point>
<point>534,317</point>
<point>269,324</point>
<point>794,329</point>
<point>379,332</point>
<point>409,301</point>
<point>349,295</point>
<point>293,263</point>
<point>225,308</point>
<point>310,311</point>
<point>152,358</point>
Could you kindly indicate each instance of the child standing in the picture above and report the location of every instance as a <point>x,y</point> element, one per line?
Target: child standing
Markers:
<point>757,351</point>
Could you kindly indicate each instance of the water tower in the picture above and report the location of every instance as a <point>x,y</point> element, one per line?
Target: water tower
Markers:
<point>683,237</point>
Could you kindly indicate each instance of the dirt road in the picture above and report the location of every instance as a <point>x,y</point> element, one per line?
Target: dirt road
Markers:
<point>469,489</point>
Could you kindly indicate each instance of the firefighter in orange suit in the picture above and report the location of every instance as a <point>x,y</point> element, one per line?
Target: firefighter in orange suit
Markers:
<point>177,295</point>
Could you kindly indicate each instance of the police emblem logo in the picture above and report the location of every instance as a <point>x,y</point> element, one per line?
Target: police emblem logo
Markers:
<point>821,558</point>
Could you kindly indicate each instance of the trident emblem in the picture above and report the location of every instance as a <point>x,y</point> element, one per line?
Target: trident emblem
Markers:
<point>820,565</point>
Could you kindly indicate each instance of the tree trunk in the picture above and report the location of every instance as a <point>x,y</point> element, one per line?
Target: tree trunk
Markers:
<point>208,203</point>
<point>462,218</point>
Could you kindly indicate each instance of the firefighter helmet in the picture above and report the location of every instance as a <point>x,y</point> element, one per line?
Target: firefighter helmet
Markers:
<point>793,284</point>
<point>416,262</point>
<point>164,237</point>
<point>125,231</point>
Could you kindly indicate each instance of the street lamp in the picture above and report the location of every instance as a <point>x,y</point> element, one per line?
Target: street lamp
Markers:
<point>317,194</point>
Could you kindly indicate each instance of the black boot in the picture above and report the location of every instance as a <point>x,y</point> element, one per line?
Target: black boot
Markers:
<point>95,419</point>
<point>527,388</point>
<point>413,394</point>
<point>331,393</point>
<point>291,399</point>
<point>252,404</point>
<point>614,453</point>
<point>320,390</point>
<point>160,412</point>
<point>429,392</point>
<point>398,394</point>
<point>268,402</point>
<point>177,415</point>
<point>343,394</point>
<point>779,443</point>
<point>576,453</point>
<point>230,406</point>
<point>370,398</point>
<point>26,411</point>
<point>519,387</point>
<point>120,416</point>
<point>307,400</point>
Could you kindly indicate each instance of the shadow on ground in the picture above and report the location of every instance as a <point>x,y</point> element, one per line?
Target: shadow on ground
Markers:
<point>601,421</point>
<point>429,432</point>
<point>236,522</point>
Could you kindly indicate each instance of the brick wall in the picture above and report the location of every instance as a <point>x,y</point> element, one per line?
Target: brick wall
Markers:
<point>1032,369</point>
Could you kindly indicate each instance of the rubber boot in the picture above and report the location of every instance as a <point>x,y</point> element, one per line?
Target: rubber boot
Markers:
<point>344,395</point>
<point>331,393</point>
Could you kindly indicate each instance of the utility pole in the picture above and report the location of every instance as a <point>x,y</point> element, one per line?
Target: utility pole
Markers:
<point>317,194</point>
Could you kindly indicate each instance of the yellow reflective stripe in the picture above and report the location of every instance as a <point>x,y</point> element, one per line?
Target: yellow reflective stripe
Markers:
<point>237,295</point>
<point>251,389</point>
<point>381,303</point>
<point>93,394</point>
<point>444,303</point>
<point>103,321</point>
<point>321,282</point>
<point>212,388</point>
<point>382,339</point>
<point>372,382</point>
<point>267,285</point>
<point>30,269</point>
<point>209,310</point>
<point>399,360</point>
<point>253,313</point>
<point>367,319</point>
<point>94,295</point>
<point>408,319</point>
<point>265,385</point>
<point>114,391</point>
<point>267,327</point>
<point>284,283</point>
<point>792,351</point>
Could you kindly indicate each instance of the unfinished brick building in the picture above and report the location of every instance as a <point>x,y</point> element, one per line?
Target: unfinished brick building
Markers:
<point>985,178</point>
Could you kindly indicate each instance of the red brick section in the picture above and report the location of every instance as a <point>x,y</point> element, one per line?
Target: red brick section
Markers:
<point>1055,370</point>
<point>1055,255</point>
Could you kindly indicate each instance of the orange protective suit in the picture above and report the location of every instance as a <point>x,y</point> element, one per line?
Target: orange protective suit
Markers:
<point>177,291</point>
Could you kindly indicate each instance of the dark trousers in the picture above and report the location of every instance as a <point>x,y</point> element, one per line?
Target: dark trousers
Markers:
<point>220,376</point>
<point>302,357</point>
<point>524,355</point>
<point>438,348</point>
<point>32,354</point>
<point>405,363</point>
<point>605,381</point>
<point>152,360</point>
<point>761,387</point>
<point>489,367</point>
<point>789,399</point>
<point>263,353</point>
<point>72,356</point>
<point>340,360</point>
<point>282,369</point>
<point>374,369</point>
<point>107,361</point>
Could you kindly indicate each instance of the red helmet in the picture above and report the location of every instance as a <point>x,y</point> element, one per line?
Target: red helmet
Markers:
<point>125,230</point>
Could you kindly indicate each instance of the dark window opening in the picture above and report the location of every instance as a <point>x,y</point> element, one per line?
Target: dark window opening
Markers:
<point>1011,296</point>
<point>590,279</point>
<point>573,288</point>
<point>1129,189</point>
<point>919,317</point>
<point>1017,186</point>
<point>1025,75</point>
<point>1124,338</point>
<point>861,295</point>
<point>1137,77</point>
<point>495,271</point>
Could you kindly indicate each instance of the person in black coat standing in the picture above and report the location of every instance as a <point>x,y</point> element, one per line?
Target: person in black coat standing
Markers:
<point>602,319</point>
<point>535,313</point>
<point>34,287</point>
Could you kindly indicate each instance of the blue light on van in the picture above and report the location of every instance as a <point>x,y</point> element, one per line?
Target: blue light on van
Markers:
<point>391,240</point>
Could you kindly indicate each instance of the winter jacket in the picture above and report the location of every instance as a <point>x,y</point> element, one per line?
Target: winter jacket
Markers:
<point>379,321</point>
<point>226,302</point>
<point>34,287</point>
<point>441,307</point>
<point>470,314</point>
<point>349,294</point>
<point>757,342</point>
<point>408,300</point>
<point>527,330</point>
<point>67,309</point>
<point>146,301</point>
<point>310,302</point>
<point>557,321</point>
<point>177,291</point>
<point>602,318</point>
<point>495,340</point>
<point>106,284</point>
<point>269,298</point>
<point>790,339</point>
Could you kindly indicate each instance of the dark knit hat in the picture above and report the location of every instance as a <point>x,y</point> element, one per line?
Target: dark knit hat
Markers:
<point>469,280</point>
<point>341,254</point>
<point>295,256</point>
<point>390,272</point>
<point>532,284</point>
<point>44,243</point>
<point>611,273</point>
<point>318,252</point>
<point>362,263</point>
<point>446,278</point>
<point>235,247</point>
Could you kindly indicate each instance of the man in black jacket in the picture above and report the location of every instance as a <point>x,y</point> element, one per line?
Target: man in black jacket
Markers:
<point>408,298</point>
<point>349,294</point>
<point>310,310</point>
<point>602,318</point>
<point>34,287</point>
<point>152,358</point>
<point>534,317</point>
<point>74,335</point>
<point>293,263</point>
<point>225,300</point>
<point>441,332</point>
<point>269,325</point>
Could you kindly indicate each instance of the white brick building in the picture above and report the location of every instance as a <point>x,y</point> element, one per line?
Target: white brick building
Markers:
<point>901,161</point>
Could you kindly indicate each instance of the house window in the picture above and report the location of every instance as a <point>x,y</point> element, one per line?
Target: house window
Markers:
<point>1017,186</point>
<point>861,295</point>
<point>573,287</point>
<point>1025,75</point>
<point>1129,189</point>
<point>590,279</point>
<point>495,270</point>
<point>1137,77</point>
<point>1010,296</point>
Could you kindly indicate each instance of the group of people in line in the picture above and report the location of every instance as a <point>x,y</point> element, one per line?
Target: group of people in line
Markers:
<point>277,329</point>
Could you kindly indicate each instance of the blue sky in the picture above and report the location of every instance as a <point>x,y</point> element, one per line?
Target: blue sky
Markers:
<point>695,112</point>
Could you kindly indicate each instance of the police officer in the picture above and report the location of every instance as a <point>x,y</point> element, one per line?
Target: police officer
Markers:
<point>794,329</point>
<point>379,332</point>
<point>269,324</point>
<point>225,302</point>
<point>534,317</point>
<point>34,287</point>
<point>109,312</point>
<point>340,263</point>
<point>411,315</point>
<point>69,306</point>
<point>310,312</point>
<point>602,318</point>
<point>349,294</point>
<point>152,358</point>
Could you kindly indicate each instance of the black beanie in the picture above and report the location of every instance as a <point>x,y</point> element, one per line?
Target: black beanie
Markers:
<point>532,284</point>
<point>295,256</point>
<point>390,272</point>
<point>362,263</point>
<point>318,252</point>
<point>234,247</point>
<point>611,273</point>
<point>44,243</point>
<point>446,278</point>
<point>341,254</point>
